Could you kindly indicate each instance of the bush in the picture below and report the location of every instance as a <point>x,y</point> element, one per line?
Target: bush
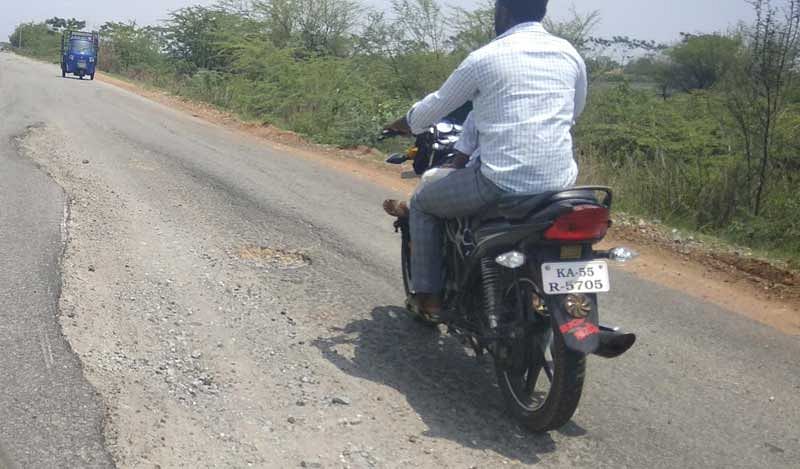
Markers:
<point>680,157</point>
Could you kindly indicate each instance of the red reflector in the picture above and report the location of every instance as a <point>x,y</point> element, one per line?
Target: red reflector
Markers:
<point>584,223</point>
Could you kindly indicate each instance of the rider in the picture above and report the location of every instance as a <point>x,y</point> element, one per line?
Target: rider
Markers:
<point>527,88</point>
<point>465,154</point>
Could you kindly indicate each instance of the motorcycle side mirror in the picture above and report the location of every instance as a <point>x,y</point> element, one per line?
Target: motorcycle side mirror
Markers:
<point>397,158</point>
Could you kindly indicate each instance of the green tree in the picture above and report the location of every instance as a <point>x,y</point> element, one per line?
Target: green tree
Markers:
<point>37,39</point>
<point>758,89</point>
<point>62,24</point>
<point>279,20</point>
<point>657,68</point>
<point>126,45</point>
<point>191,34</point>
<point>421,24</point>
<point>473,28</point>
<point>377,37</point>
<point>577,29</point>
<point>321,27</point>
<point>326,26</point>
<point>700,61</point>
<point>607,56</point>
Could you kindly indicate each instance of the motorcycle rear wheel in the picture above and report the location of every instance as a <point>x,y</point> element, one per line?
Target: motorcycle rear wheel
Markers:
<point>542,382</point>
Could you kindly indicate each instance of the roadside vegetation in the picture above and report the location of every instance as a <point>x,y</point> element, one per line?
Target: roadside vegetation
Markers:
<point>701,133</point>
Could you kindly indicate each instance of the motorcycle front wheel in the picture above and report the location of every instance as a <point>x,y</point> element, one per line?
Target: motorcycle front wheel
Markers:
<point>541,379</point>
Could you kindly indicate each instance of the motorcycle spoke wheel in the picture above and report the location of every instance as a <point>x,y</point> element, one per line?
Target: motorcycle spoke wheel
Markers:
<point>547,363</point>
<point>548,370</point>
<point>528,388</point>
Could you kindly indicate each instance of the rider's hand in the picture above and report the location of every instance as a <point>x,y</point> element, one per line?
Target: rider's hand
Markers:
<point>400,127</point>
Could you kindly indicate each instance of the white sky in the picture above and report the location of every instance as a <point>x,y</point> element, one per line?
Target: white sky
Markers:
<point>661,20</point>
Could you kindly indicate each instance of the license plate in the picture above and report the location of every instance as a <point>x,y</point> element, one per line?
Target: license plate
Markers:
<point>562,278</point>
<point>81,64</point>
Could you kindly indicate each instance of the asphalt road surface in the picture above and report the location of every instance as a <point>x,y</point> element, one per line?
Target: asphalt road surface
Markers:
<point>233,304</point>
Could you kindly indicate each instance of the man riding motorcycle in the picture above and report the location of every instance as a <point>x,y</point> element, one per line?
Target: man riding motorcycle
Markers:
<point>527,89</point>
<point>465,153</point>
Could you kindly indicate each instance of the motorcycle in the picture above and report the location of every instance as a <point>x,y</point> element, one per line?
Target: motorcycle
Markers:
<point>522,284</point>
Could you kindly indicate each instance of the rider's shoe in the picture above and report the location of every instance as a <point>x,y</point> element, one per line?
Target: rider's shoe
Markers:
<point>396,208</point>
<point>429,306</point>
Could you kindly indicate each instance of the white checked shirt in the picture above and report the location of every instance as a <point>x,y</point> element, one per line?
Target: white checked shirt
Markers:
<point>527,87</point>
<point>468,141</point>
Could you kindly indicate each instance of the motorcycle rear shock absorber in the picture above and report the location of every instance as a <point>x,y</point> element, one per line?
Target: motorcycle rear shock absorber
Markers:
<point>492,291</point>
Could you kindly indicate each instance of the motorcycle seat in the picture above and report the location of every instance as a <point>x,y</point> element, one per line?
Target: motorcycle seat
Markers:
<point>516,206</point>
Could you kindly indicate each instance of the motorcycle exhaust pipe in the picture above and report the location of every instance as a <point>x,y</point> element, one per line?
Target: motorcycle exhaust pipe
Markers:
<point>614,343</point>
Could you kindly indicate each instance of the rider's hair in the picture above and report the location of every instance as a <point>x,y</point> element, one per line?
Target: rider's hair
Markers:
<point>526,10</point>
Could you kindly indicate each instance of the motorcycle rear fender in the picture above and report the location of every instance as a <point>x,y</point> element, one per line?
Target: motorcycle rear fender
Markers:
<point>580,334</point>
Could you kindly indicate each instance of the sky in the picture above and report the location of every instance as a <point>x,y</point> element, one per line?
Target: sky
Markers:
<point>659,20</point>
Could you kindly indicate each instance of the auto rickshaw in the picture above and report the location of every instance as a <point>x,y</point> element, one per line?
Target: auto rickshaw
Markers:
<point>79,53</point>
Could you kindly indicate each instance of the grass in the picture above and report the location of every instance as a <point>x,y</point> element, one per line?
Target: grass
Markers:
<point>633,187</point>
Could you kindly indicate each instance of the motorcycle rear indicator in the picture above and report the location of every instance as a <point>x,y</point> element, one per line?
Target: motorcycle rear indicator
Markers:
<point>584,223</point>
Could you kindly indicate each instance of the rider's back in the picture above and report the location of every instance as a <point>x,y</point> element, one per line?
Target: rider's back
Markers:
<point>531,87</point>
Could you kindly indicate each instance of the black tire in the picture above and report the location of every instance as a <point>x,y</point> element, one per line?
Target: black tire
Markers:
<point>91,77</point>
<point>568,371</point>
<point>63,73</point>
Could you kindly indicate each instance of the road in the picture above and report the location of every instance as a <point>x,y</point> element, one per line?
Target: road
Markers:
<point>236,304</point>
<point>49,414</point>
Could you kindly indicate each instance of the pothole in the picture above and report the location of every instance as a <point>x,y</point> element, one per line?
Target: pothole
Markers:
<point>143,165</point>
<point>283,258</point>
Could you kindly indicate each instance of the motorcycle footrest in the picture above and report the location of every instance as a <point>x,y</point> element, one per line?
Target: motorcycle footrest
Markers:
<point>613,343</point>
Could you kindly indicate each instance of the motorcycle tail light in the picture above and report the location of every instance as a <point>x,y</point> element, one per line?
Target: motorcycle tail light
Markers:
<point>584,223</point>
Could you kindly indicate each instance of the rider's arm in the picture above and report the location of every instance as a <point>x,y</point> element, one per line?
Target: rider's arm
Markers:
<point>462,86</point>
<point>581,88</point>
<point>468,141</point>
